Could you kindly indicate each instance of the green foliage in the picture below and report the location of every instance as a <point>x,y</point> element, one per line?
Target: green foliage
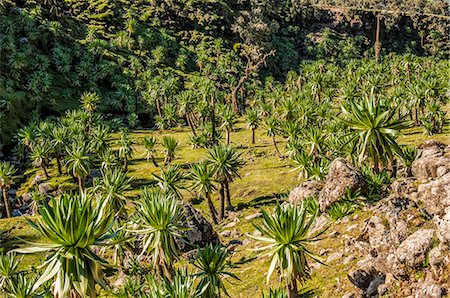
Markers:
<point>213,268</point>
<point>375,129</point>
<point>159,221</point>
<point>286,233</point>
<point>170,145</point>
<point>71,227</point>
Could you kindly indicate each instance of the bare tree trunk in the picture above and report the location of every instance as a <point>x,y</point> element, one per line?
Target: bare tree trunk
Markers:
<point>212,210</point>
<point>222,202</point>
<point>80,184</point>
<point>158,107</point>
<point>227,136</point>
<point>234,101</point>
<point>292,289</point>
<point>191,125</point>
<point>45,171</point>
<point>275,145</point>
<point>58,163</point>
<point>228,196</point>
<point>7,203</point>
<point>213,119</point>
<point>377,40</point>
<point>154,161</point>
<point>253,136</point>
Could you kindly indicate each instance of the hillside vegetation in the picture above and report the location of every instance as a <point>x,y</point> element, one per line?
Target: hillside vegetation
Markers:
<point>203,149</point>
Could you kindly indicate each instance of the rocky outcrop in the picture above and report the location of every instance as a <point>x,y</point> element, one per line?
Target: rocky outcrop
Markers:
<point>199,231</point>
<point>435,195</point>
<point>341,177</point>
<point>411,253</point>
<point>404,187</point>
<point>433,161</point>
<point>304,190</point>
<point>443,227</point>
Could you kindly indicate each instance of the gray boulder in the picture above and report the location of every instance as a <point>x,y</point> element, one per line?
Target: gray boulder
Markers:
<point>411,253</point>
<point>199,231</point>
<point>443,227</point>
<point>404,187</point>
<point>435,195</point>
<point>432,162</point>
<point>304,190</point>
<point>341,177</point>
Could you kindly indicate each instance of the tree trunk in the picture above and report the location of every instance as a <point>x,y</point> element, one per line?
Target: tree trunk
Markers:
<point>125,164</point>
<point>377,40</point>
<point>228,196</point>
<point>158,107</point>
<point>227,136</point>
<point>292,289</point>
<point>222,202</point>
<point>253,136</point>
<point>213,119</point>
<point>234,92</point>
<point>58,163</point>
<point>80,184</point>
<point>7,203</point>
<point>45,172</point>
<point>212,210</point>
<point>416,116</point>
<point>191,125</point>
<point>275,145</point>
<point>154,161</point>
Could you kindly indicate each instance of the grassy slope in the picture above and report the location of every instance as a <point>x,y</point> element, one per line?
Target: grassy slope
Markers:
<point>264,178</point>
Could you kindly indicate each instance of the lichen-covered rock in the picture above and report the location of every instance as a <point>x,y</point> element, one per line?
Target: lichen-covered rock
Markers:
<point>304,190</point>
<point>435,195</point>
<point>411,253</point>
<point>443,227</point>
<point>200,231</point>
<point>439,259</point>
<point>429,290</point>
<point>404,187</point>
<point>341,177</point>
<point>432,163</point>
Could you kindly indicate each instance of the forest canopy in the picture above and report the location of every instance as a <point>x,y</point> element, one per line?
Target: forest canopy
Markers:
<point>138,55</point>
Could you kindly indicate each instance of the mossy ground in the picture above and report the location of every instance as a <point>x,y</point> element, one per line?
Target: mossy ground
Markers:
<point>265,178</point>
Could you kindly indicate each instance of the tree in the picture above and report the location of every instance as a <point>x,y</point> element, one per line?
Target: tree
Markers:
<point>9,264</point>
<point>286,232</point>
<point>40,155</point>
<point>203,184</point>
<point>272,131</point>
<point>375,129</point>
<point>149,144</point>
<point>72,226</point>
<point>229,120</point>
<point>159,221</point>
<point>255,60</point>
<point>125,149</point>
<point>225,162</point>
<point>213,266</point>
<point>78,163</point>
<point>59,139</point>
<point>171,181</point>
<point>253,120</point>
<point>112,189</point>
<point>170,145</point>
<point>7,172</point>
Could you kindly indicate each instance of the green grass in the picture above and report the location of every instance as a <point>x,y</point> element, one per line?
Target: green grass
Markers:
<point>264,179</point>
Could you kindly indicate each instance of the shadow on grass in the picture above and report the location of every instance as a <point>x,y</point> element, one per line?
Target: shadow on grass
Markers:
<point>307,293</point>
<point>263,201</point>
<point>137,183</point>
